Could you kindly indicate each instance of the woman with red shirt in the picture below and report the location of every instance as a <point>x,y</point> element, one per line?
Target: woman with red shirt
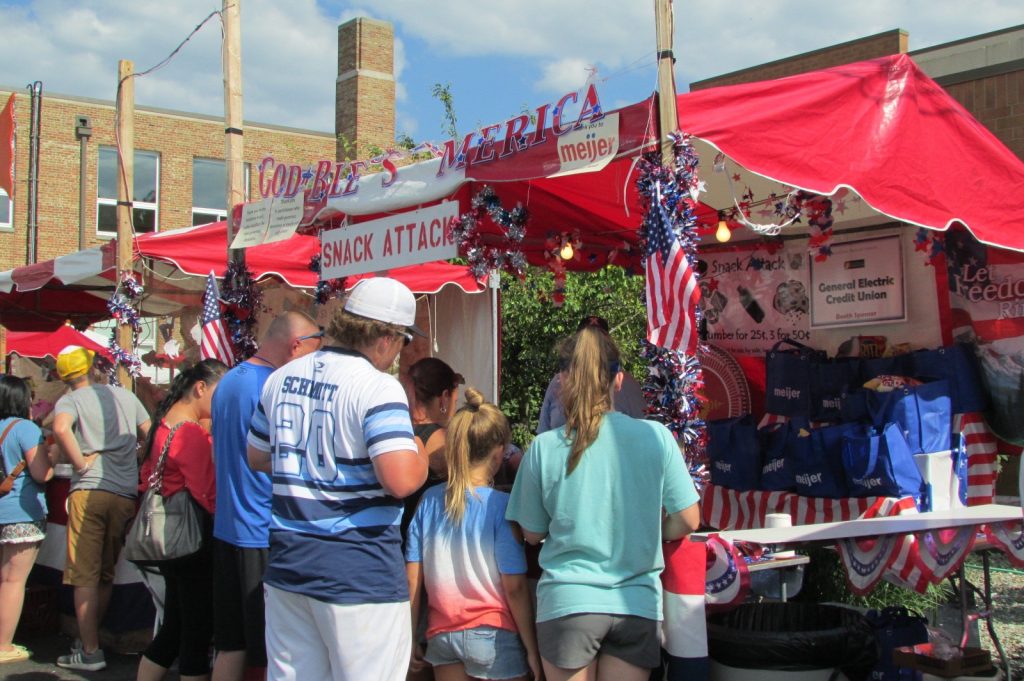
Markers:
<point>187,627</point>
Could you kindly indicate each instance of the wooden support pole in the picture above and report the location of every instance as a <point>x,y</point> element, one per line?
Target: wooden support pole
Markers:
<point>125,115</point>
<point>234,143</point>
<point>668,121</point>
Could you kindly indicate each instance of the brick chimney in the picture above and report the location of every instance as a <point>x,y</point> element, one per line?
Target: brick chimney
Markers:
<point>365,92</point>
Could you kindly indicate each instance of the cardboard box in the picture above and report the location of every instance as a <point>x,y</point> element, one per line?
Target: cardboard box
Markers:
<point>919,657</point>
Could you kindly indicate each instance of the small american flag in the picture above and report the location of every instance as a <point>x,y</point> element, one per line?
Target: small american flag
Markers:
<point>216,342</point>
<point>672,291</point>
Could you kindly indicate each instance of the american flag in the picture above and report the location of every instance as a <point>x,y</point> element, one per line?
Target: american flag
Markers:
<point>216,342</point>
<point>672,291</point>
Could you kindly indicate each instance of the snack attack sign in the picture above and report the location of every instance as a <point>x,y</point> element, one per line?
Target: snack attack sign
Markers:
<point>412,238</point>
<point>582,136</point>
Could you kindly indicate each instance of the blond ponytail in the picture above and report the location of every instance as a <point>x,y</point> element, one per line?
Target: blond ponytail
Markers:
<point>473,433</point>
<point>587,389</point>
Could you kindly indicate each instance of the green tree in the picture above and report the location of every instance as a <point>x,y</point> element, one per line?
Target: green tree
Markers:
<point>443,94</point>
<point>532,326</point>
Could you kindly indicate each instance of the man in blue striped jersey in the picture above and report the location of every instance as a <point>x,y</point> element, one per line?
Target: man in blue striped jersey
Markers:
<point>333,430</point>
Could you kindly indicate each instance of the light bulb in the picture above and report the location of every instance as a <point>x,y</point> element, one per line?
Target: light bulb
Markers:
<point>567,251</point>
<point>723,233</point>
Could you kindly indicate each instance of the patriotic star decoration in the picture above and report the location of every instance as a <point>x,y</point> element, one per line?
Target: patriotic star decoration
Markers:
<point>823,254</point>
<point>756,263</point>
<point>735,177</point>
<point>700,188</point>
<point>712,284</point>
<point>307,175</point>
<point>840,206</point>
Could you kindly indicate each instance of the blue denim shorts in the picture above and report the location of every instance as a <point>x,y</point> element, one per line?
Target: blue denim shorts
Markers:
<point>485,652</point>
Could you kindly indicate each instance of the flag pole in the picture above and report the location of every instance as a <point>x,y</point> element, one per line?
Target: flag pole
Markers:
<point>668,121</point>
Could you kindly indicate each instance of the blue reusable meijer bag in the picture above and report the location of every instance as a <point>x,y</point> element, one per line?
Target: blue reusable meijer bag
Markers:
<point>879,463</point>
<point>818,460</point>
<point>830,380</point>
<point>923,412</point>
<point>776,462</point>
<point>734,453</point>
<point>788,378</point>
<point>957,364</point>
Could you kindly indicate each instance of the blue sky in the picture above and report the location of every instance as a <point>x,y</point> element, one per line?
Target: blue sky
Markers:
<point>499,57</point>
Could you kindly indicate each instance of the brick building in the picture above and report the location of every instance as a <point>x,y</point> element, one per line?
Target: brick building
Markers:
<point>985,73</point>
<point>179,171</point>
<point>179,156</point>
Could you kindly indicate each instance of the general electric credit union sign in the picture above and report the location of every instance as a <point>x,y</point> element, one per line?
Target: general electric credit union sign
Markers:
<point>411,238</point>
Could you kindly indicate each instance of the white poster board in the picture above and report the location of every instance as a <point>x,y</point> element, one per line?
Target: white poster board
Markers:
<point>860,283</point>
<point>268,220</point>
<point>411,238</point>
<point>755,295</point>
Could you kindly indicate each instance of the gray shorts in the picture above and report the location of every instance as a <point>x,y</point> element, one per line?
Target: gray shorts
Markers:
<point>574,641</point>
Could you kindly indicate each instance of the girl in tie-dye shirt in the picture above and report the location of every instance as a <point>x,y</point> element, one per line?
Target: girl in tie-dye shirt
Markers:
<point>470,560</point>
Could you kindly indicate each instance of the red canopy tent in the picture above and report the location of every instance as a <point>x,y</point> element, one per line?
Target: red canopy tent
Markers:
<point>41,344</point>
<point>76,287</point>
<point>881,128</point>
<point>200,250</point>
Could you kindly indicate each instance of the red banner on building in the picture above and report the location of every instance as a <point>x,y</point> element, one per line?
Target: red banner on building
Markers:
<point>7,130</point>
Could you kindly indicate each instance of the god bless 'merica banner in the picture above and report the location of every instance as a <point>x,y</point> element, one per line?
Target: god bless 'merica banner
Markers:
<point>754,296</point>
<point>987,302</point>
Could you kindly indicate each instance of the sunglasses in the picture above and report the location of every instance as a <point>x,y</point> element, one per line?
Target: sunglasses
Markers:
<point>406,338</point>
<point>318,334</point>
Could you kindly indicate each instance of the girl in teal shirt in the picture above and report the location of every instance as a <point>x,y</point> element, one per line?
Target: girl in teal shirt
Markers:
<point>602,492</point>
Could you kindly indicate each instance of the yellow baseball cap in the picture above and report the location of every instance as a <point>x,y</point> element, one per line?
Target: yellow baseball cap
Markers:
<point>74,361</point>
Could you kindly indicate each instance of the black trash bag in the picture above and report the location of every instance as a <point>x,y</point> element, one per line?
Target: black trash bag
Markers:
<point>793,637</point>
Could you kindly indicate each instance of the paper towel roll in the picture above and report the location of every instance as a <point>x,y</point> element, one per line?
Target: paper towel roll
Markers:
<point>777,520</point>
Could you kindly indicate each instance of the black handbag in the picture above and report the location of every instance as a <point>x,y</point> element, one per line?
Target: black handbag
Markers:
<point>165,528</point>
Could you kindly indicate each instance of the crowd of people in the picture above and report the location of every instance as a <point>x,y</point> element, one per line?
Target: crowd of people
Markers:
<point>351,528</point>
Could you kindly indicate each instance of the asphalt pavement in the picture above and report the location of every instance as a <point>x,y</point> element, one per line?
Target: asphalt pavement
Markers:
<point>42,665</point>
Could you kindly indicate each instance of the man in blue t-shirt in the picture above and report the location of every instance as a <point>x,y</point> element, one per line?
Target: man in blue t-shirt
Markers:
<point>241,523</point>
<point>334,429</point>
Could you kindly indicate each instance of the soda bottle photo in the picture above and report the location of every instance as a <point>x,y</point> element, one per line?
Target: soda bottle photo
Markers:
<point>750,304</point>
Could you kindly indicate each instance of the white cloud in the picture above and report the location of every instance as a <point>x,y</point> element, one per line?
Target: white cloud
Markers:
<point>564,75</point>
<point>288,51</point>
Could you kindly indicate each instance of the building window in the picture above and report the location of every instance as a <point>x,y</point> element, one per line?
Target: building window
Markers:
<point>209,190</point>
<point>145,210</point>
<point>6,211</point>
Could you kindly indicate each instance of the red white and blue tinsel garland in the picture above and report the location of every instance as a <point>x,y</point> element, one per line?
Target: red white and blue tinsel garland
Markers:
<point>482,258</point>
<point>326,289</point>
<point>242,300</point>
<point>123,310</point>
<point>674,380</point>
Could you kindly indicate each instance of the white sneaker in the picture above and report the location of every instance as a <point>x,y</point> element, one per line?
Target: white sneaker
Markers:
<point>83,661</point>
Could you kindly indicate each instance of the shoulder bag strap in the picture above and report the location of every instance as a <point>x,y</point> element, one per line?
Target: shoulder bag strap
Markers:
<point>156,478</point>
<point>8,481</point>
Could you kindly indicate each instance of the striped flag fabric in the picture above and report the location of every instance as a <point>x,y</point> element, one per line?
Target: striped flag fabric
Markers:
<point>216,342</point>
<point>671,287</point>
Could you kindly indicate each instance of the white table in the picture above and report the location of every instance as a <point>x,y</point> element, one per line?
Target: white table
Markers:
<point>871,527</point>
<point>901,524</point>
